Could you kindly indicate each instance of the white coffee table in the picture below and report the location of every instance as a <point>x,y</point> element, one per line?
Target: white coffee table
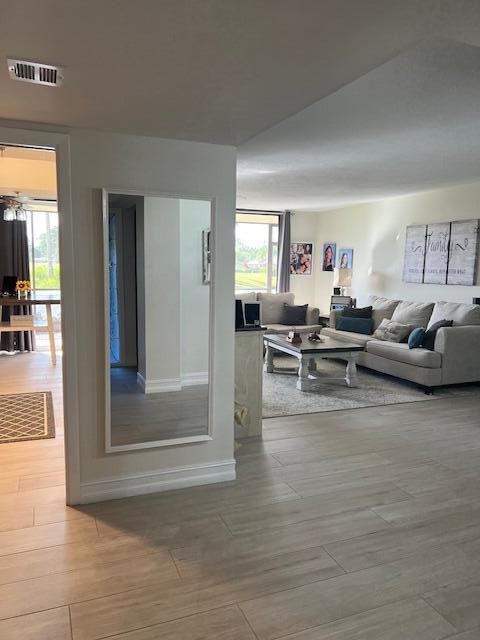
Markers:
<point>307,354</point>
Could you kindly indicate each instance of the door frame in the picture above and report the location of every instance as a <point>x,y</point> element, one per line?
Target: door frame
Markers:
<point>60,142</point>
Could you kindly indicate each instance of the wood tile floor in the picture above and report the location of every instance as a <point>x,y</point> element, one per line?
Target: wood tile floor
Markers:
<point>137,417</point>
<point>350,525</point>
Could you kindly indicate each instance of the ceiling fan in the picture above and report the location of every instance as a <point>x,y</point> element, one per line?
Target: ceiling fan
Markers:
<point>14,207</point>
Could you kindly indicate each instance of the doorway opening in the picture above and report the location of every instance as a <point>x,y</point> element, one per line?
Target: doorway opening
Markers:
<point>32,454</point>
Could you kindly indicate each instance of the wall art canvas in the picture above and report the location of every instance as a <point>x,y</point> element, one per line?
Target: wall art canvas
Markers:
<point>436,253</point>
<point>462,260</point>
<point>413,263</point>
<point>329,254</point>
<point>301,258</point>
<point>345,258</point>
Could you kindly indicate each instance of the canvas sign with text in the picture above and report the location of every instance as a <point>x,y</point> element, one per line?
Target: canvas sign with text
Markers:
<point>442,253</point>
<point>436,253</point>
<point>463,252</point>
<point>414,261</point>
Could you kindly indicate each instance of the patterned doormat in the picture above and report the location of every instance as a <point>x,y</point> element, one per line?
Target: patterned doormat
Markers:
<point>26,416</point>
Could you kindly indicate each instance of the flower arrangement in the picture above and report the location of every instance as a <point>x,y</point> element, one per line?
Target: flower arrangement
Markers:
<point>22,287</point>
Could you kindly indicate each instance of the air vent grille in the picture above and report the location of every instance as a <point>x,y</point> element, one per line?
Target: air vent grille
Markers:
<point>35,72</point>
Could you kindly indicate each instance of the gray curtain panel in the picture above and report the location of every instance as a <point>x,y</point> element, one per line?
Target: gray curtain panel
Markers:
<point>14,262</point>
<point>283,284</point>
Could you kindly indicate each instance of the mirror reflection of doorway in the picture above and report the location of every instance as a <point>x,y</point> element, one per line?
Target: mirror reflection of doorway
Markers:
<point>157,318</point>
<point>114,319</point>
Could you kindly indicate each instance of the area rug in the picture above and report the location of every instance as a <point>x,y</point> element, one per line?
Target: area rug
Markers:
<point>26,416</point>
<point>282,398</point>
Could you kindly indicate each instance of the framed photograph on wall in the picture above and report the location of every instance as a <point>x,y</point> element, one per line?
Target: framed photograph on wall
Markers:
<point>345,258</point>
<point>329,256</point>
<point>301,258</point>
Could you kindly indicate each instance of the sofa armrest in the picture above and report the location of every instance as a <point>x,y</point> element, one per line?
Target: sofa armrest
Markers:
<point>312,315</point>
<point>460,349</point>
<point>334,315</point>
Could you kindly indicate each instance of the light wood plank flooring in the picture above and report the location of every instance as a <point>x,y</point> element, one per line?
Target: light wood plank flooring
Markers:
<point>350,525</point>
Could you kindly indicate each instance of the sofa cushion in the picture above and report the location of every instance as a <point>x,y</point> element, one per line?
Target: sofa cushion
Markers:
<point>294,315</point>
<point>356,325</point>
<point>248,296</point>
<point>416,313</point>
<point>392,331</point>
<point>399,352</point>
<point>272,306</point>
<point>431,334</point>
<point>461,314</point>
<point>346,336</point>
<point>382,308</point>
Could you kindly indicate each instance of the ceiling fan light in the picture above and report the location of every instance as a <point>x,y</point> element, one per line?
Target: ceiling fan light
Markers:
<point>9,214</point>
<point>21,214</point>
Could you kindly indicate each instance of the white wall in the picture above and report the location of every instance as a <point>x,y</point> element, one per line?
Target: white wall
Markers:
<point>175,317</point>
<point>194,295</point>
<point>143,164</point>
<point>149,165</point>
<point>376,231</point>
<point>159,277</point>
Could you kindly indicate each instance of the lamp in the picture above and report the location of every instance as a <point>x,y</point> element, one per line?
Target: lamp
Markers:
<point>9,214</point>
<point>342,278</point>
<point>21,214</point>
<point>14,208</point>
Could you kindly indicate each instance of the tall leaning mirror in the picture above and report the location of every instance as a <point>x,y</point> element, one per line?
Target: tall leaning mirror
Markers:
<point>157,258</point>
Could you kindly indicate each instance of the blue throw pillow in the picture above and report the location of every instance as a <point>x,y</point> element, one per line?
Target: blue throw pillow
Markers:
<point>415,339</point>
<point>357,325</point>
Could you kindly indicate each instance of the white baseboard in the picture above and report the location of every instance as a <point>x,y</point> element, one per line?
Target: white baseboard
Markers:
<point>194,379</point>
<point>158,386</point>
<point>156,481</point>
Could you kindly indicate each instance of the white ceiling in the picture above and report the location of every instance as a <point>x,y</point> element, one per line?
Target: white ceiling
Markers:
<point>409,125</point>
<point>28,172</point>
<point>332,101</point>
<point>211,70</point>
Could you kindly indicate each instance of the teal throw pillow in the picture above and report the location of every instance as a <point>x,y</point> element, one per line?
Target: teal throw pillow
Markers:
<point>415,339</point>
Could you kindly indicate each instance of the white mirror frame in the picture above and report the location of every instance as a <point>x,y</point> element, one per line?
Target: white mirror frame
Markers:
<point>109,448</point>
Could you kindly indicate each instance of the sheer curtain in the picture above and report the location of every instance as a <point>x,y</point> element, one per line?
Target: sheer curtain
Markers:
<point>14,262</point>
<point>284,253</point>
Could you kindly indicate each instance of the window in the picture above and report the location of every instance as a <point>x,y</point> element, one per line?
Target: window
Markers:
<point>42,231</point>
<point>44,258</point>
<point>256,252</point>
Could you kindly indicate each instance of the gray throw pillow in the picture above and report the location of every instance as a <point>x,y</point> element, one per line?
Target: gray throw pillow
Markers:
<point>431,334</point>
<point>392,331</point>
<point>294,315</point>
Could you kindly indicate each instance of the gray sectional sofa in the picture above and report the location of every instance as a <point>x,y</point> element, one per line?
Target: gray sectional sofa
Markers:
<point>272,309</point>
<point>456,355</point>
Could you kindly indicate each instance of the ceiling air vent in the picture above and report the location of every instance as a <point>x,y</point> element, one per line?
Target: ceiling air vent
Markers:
<point>35,72</point>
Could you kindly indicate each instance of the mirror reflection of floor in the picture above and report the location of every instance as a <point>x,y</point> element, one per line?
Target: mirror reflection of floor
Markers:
<point>138,417</point>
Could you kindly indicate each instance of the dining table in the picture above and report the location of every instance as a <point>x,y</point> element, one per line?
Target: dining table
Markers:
<point>33,299</point>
